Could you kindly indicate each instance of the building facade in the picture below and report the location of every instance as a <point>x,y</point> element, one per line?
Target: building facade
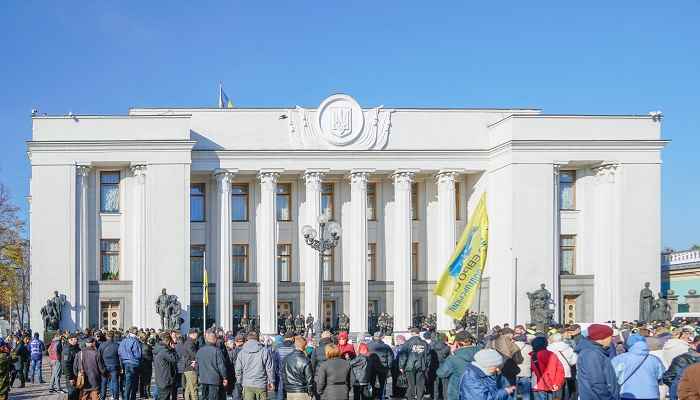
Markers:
<point>680,273</point>
<point>123,206</point>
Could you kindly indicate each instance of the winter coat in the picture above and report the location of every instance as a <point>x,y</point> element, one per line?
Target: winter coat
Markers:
<point>333,379</point>
<point>644,383</point>
<point>109,352</point>
<point>346,349</point>
<point>211,366</point>
<point>689,386</point>
<point>90,362</point>
<point>476,385</point>
<point>672,349</point>
<point>297,374</point>
<point>5,367</point>
<point>675,371</point>
<point>165,367</point>
<point>284,350</point>
<point>565,354</point>
<point>67,359</point>
<point>453,367</point>
<point>146,355</point>
<point>254,366</point>
<point>383,352</point>
<point>547,371</point>
<point>360,371</point>
<point>319,354</point>
<point>130,351</point>
<point>187,352</point>
<point>414,355</point>
<point>595,376</point>
<point>511,355</point>
<point>21,355</point>
<point>36,349</point>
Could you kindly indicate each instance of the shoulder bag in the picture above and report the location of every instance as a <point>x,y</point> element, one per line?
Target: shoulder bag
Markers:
<point>80,379</point>
<point>635,370</point>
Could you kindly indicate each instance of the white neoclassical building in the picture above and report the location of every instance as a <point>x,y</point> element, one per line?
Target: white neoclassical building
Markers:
<point>123,206</point>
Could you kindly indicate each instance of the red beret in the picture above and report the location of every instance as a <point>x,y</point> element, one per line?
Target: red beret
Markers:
<point>599,332</point>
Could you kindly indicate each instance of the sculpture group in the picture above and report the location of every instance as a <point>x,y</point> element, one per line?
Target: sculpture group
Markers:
<point>651,309</point>
<point>541,312</point>
<point>52,312</point>
<point>169,309</point>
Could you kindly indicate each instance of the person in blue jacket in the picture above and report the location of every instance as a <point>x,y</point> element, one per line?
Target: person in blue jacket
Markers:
<point>482,379</point>
<point>638,371</point>
<point>130,356</point>
<point>595,377</point>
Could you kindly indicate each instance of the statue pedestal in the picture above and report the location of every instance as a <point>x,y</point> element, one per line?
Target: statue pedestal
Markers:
<point>672,298</point>
<point>693,300</point>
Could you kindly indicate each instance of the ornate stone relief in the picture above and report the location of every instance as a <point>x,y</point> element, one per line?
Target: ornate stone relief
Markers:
<point>339,123</point>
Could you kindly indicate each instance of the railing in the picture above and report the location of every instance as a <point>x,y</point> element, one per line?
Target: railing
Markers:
<point>681,257</point>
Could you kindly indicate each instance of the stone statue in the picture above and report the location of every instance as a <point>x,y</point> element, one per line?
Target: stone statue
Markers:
<point>343,322</point>
<point>646,303</point>
<point>57,303</point>
<point>48,315</point>
<point>661,311</point>
<point>162,307</point>
<point>540,311</point>
<point>309,325</point>
<point>174,313</point>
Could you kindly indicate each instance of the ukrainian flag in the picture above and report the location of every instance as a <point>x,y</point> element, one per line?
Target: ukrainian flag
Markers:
<point>461,279</point>
<point>224,101</point>
<point>205,285</point>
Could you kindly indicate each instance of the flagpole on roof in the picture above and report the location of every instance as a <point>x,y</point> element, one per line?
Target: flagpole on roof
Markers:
<point>221,95</point>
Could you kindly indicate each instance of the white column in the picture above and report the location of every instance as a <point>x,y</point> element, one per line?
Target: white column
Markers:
<point>556,279</point>
<point>83,292</point>
<point>358,247</point>
<point>446,239</point>
<point>138,261</point>
<point>311,273</point>
<point>266,238</point>
<point>224,179</point>
<point>403,284</point>
<point>605,230</point>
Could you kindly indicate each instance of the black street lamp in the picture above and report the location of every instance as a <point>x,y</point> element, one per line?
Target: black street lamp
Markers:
<point>325,239</point>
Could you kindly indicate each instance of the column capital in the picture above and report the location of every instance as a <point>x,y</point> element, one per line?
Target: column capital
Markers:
<point>138,169</point>
<point>313,177</point>
<point>404,176</point>
<point>82,169</point>
<point>269,175</point>
<point>446,176</point>
<point>360,176</point>
<point>606,170</point>
<point>224,177</point>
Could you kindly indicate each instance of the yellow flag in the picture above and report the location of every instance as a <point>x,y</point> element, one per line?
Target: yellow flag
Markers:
<point>462,276</point>
<point>206,288</point>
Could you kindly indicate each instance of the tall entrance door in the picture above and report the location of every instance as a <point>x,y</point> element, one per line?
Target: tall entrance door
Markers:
<point>111,315</point>
<point>284,308</point>
<point>329,314</point>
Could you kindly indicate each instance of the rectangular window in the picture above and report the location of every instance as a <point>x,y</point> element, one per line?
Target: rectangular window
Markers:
<point>197,202</point>
<point>567,190</point>
<point>197,265</point>
<point>284,201</point>
<point>567,254</point>
<point>414,261</point>
<point>372,261</point>
<point>239,202</point>
<point>109,191</point>
<point>371,201</point>
<point>109,256</point>
<point>239,262</point>
<point>458,199</point>
<point>414,201</point>
<point>197,290</point>
<point>328,266</point>
<point>327,199</point>
<point>284,262</point>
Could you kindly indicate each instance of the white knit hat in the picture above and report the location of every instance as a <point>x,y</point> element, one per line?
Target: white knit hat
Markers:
<point>488,358</point>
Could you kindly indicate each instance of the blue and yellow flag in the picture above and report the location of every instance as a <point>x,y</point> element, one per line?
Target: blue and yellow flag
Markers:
<point>462,277</point>
<point>224,101</point>
<point>205,285</point>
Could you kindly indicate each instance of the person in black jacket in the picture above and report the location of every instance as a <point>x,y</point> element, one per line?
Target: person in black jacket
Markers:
<point>413,361</point>
<point>297,374</point>
<point>235,390</point>
<point>319,354</point>
<point>187,352</point>
<point>165,368</point>
<point>108,352</point>
<point>67,359</point>
<point>383,357</point>
<point>146,365</point>
<point>673,374</point>
<point>20,354</point>
<point>212,368</point>
<point>362,374</point>
<point>439,351</point>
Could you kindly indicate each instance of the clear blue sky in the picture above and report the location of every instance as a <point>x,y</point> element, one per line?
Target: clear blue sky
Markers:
<point>593,57</point>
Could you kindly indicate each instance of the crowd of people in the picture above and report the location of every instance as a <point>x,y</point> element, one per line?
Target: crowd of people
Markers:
<point>601,361</point>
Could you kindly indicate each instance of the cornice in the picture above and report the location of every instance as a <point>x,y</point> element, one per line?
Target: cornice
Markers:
<point>110,145</point>
<point>578,145</point>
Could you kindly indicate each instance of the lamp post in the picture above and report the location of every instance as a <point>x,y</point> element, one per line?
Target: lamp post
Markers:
<point>325,239</point>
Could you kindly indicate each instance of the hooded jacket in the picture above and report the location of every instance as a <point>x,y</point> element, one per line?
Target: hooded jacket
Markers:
<point>476,385</point>
<point>454,367</point>
<point>383,352</point>
<point>130,351</point>
<point>675,371</point>
<point>595,377</point>
<point>644,383</point>
<point>565,354</point>
<point>254,367</point>
<point>346,349</point>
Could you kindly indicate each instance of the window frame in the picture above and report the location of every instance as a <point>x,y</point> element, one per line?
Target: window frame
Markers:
<point>104,253</point>
<point>245,197</point>
<point>203,195</point>
<point>371,262</point>
<point>562,249</point>
<point>572,173</point>
<point>372,200</point>
<point>288,195</point>
<point>415,262</point>
<point>246,264</point>
<point>118,188</point>
<point>330,194</point>
<point>288,256</point>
